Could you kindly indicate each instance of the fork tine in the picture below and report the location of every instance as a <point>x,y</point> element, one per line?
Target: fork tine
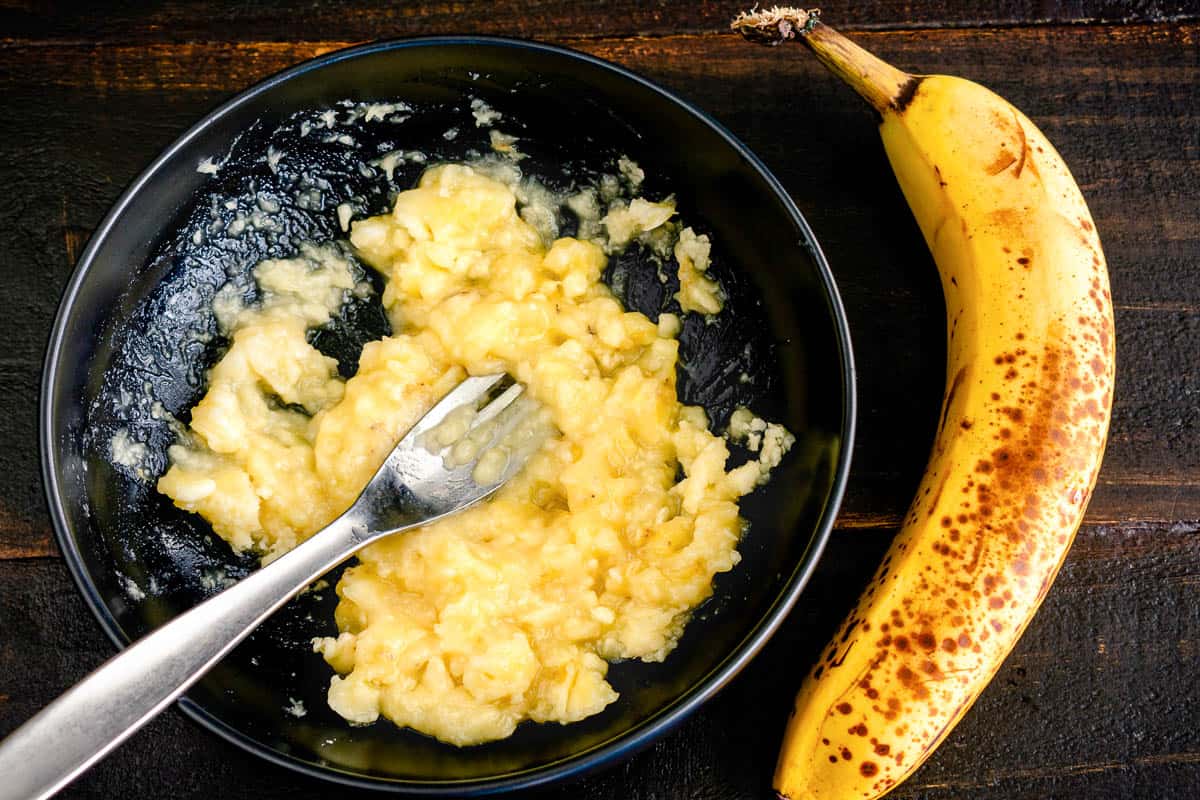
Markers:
<point>416,483</point>
<point>494,408</point>
<point>468,392</point>
<point>518,412</point>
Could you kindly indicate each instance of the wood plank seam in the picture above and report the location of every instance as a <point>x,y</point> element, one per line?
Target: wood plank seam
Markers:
<point>1169,22</point>
<point>1155,17</point>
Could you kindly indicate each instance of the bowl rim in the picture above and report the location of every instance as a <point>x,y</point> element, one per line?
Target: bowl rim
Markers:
<point>598,756</point>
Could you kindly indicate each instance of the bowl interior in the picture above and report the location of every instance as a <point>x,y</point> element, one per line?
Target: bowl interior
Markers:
<point>135,337</point>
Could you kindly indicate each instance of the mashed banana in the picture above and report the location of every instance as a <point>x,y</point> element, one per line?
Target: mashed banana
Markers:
<point>509,610</point>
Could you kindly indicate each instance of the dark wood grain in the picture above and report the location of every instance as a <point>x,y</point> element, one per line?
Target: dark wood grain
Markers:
<point>282,21</point>
<point>1097,699</point>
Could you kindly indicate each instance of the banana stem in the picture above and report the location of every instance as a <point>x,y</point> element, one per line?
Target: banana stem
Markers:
<point>880,84</point>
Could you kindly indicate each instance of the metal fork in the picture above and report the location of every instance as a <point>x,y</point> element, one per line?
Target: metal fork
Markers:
<point>413,487</point>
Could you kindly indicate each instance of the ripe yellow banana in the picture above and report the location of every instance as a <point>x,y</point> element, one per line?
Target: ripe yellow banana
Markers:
<point>1024,421</point>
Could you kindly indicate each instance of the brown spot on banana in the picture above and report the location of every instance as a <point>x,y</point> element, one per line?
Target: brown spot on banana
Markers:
<point>1024,146</point>
<point>955,383</point>
<point>1003,161</point>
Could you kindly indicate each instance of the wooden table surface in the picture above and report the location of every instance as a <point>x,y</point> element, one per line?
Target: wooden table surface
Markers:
<point>1099,698</point>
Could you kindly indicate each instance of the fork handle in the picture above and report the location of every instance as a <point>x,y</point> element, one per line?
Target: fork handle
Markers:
<point>96,715</point>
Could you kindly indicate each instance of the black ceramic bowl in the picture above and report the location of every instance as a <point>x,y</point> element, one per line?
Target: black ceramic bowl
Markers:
<point>134,336</point>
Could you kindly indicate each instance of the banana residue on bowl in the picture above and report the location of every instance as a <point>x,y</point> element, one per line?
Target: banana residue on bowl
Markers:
<point>598,550</point>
